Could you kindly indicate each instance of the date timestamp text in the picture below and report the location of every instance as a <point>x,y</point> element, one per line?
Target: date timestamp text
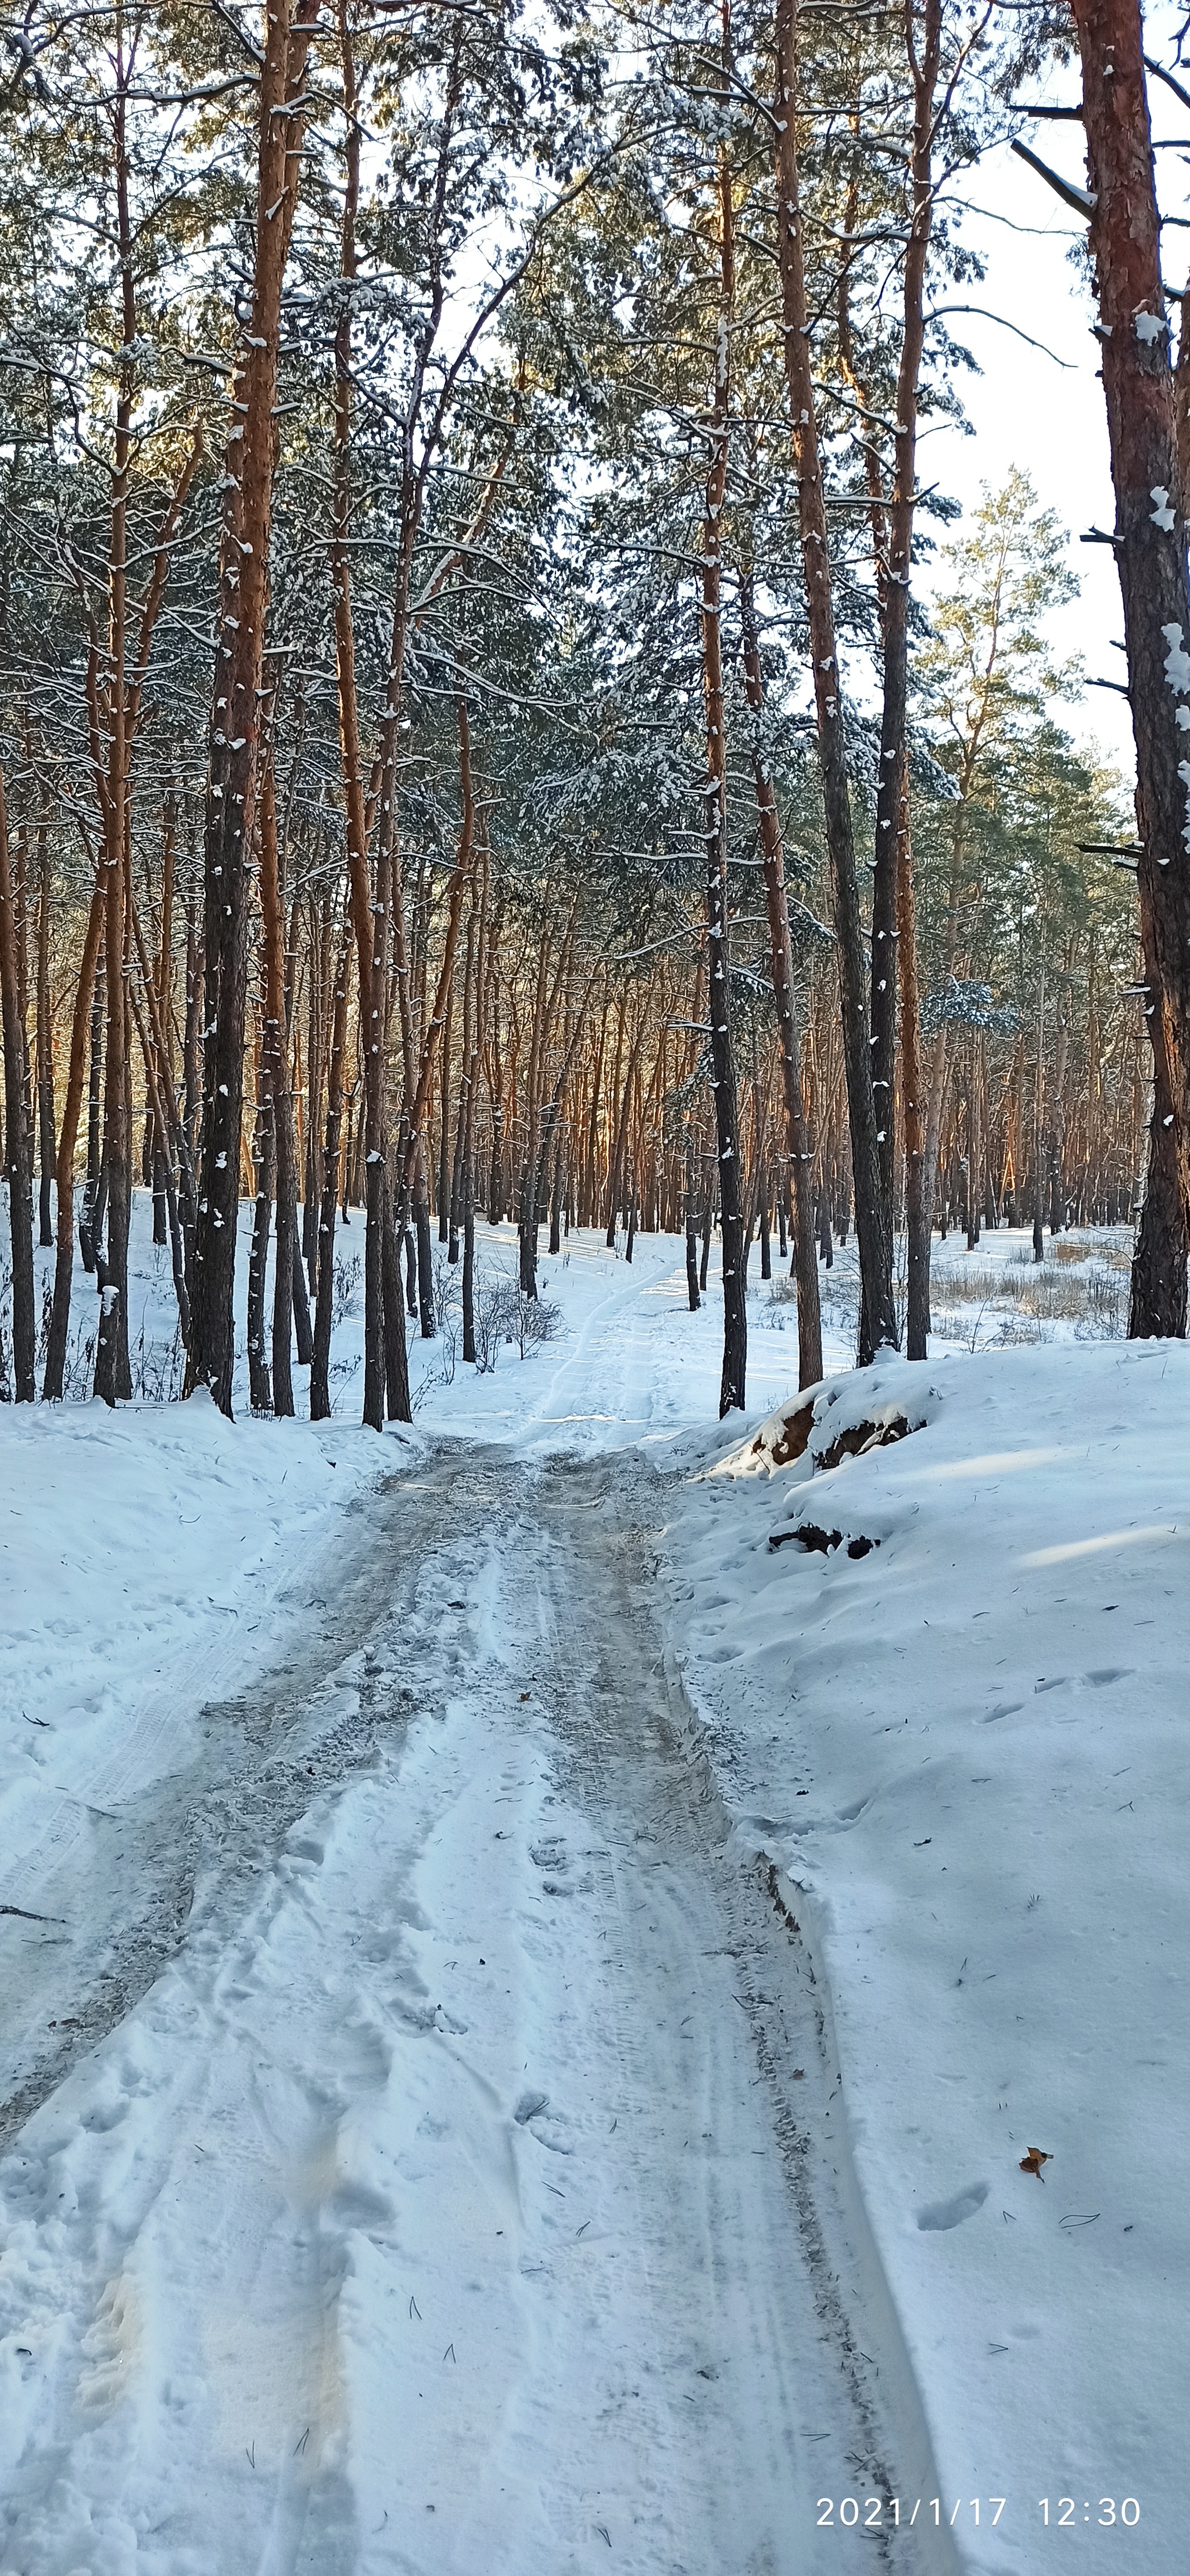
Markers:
<point>883,2513</point>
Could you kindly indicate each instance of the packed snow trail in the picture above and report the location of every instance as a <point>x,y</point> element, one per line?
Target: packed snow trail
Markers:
<point>462,2194</point>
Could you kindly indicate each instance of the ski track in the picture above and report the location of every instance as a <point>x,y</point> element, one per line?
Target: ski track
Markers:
<point>427,2185</point>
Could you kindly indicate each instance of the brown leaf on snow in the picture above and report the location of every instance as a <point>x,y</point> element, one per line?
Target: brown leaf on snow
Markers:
<point>1033,2162</point>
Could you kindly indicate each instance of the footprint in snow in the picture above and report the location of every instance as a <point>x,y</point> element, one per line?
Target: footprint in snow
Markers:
<point>938,2215</point>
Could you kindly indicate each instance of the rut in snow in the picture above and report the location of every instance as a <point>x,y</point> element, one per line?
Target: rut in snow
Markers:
<point>474,2166</point>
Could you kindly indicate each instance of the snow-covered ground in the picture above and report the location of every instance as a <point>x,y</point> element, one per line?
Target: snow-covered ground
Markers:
<point>527,2000</point>
<point>962,1750</point>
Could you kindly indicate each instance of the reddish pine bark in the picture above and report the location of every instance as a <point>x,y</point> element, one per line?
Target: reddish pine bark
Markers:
<point>1151,562</point>
<point>772,850</point>
<point>878,1322</point>
<point>727,1134</point>
<point>237,717</point>
<point>17,1163</point>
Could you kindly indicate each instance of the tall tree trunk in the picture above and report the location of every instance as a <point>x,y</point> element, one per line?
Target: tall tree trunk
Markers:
<point>160,1142</point>
<point>974,1152</point>
<point>556,1198</point>
<point>801,1158</point>
<point>385,1368</point>
<point>425,1258</point>
<point>614,1113</point>
<point>318,983</point>
<point>891,779</point>
<point>533,1088</point>
<point>480,994</point>
<point>237,713</point>
<point>443,1190</point>
<point>276,1096</point>
<point>192,1030</point>
<point>396,1349</point>
<point>260,1394</point>
<point>320,1399</point>
<point>415,1108</point>
<point>151,1055</point>
<point>45,1037</point>
<point>693,1298</point>
<point>468,1283</point>
<point>735,1314</point>
<point>1150,550</point>
<point>81,1025</point>
<point>878,1322</point>
<point>917,1207</point>
<point>1038,1079</point>
<point>94,1035</point>
<point>17,1160</point>
<point>112,1370</point>
<point>615,1195</point>
<point>465,1081</point>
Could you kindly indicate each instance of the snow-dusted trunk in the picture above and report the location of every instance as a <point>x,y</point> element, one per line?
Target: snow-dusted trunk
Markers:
<point>238,710</point>
<point>527,1200</point>
<point>112,1372</point>
<point>735,1313</point>
<point>259,1382</point>
<point>460,1124</point>
<point>1150,550</point>
<point>413,1156</point>
<point>317,981</point>
<point>887,931</point>
<point>468,1280</point>
<point>384,1317</point>
<point>556,1197</point>
<point>481,991</point>
<point>878,1322</point>
<point>55,1358</point>
<point>616,1192</point>
<point>320,1396</point>
<point>613,1130</point>
<point>192,1029</point>
<point>17,1158</point>
<point>45,1038</point>
<point>1038,1097</point>
<point>801,1159</point>
<point>693,1298</point>
<point>549,1144</point>
<point>161,987</point>
<point>276,1100</point>
<point>974,1150</point>
<point>152,1053</point>
<point>94,1092</point>
<point>442,1191</point>
<point>917,1194</point>
<point>425,1258</point>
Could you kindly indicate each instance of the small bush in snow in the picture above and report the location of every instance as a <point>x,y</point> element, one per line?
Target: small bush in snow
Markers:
<point>348,1274</point>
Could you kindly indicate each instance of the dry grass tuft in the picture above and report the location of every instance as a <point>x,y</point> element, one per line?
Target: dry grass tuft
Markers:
<point>1079,1289</point>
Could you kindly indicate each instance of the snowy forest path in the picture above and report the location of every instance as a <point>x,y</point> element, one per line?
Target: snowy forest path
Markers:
<point>460,2195</point>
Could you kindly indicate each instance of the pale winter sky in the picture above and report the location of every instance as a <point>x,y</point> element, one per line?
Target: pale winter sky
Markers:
<point>1049,419</point>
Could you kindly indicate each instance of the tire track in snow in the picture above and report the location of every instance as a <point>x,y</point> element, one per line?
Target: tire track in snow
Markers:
<point>635,1746</point>
<point>480,2052</point>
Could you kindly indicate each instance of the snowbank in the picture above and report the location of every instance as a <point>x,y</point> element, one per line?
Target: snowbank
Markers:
<point>964,1749</point>
<point>145,1556</point>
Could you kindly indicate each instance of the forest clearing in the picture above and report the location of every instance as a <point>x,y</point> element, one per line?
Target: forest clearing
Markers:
<point>594,1250</point>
